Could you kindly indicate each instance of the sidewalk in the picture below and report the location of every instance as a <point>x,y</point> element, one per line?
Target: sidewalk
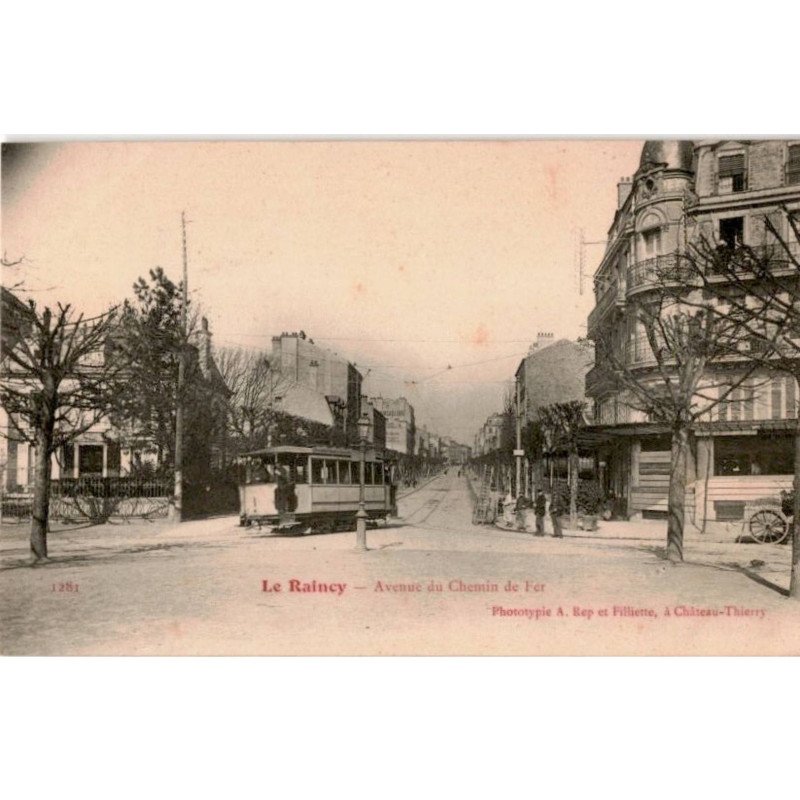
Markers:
<point>645,530</point>
<point>84,540</point>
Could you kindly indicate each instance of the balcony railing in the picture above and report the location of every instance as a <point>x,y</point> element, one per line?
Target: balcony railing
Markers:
<point>754,256</point>
<point>607,299</point>
<point>656,271</point>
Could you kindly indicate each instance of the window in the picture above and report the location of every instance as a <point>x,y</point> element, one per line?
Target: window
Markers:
<point>731,231</point>
<point>738,405</point>
<point>68,460</point>
<point>259,471</point>
<point>319,471</point>
<point>791,401</point>
<point>754,455</point>
<point>90,459</point>
<point>793,164</point>
<point>728,510</point>
<point>731,174</point>
<point>777,397</point>
<point>652,242</point>
<point>344,473</point>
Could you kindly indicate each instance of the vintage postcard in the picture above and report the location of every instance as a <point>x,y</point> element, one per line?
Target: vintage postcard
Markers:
<point>400,397</point>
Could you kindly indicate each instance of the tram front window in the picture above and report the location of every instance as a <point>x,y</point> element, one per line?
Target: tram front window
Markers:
<point>292,468</point>
<point>259,471</point>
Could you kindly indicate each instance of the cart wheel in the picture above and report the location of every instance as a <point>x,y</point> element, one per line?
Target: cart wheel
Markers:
<point>768,527</point>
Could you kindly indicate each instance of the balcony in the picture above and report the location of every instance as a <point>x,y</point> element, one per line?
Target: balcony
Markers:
<point>656,271</point>
<point>752,257</point>
<point>599,380</point>
<point>607,300</point>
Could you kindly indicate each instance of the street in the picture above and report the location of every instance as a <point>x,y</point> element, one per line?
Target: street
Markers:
<point>431,583</point>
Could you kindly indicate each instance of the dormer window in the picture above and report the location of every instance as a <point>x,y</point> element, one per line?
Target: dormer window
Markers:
<point>731,173</point>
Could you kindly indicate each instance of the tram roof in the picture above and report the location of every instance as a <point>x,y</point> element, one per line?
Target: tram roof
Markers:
<point>339,452</point>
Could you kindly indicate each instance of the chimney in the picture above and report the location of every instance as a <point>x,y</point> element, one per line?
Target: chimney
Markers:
<point>623,191</point>
<point>543,340</point>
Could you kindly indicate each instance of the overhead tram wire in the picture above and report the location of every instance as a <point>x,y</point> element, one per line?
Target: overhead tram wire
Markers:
<point>398,341</point>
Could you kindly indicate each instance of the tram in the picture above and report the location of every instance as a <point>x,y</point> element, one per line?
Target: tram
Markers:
<point>312,489</point>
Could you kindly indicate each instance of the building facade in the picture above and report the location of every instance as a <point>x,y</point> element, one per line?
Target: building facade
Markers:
<point>489,437</point>
<point>109,448</point>
<point>400,423</point>
<point>299,360</point>
<point>554,371</point>
<point>377,431</point>
<point>683,192</point>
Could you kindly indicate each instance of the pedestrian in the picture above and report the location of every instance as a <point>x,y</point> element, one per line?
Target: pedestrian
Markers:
<point>556,510</point>
<point>540,507</point>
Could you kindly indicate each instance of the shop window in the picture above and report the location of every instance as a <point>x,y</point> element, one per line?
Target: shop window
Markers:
<point>732,174</point>
<point>753,455</point>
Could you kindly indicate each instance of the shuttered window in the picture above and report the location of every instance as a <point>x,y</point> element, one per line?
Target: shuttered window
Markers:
<point>731,173</point>
<point>731,165</point>
<point>793,164</point>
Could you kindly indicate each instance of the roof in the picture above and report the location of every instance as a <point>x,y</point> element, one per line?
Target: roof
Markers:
<point>302,401</point>
<point>321,450</point>
<point>673,154</point>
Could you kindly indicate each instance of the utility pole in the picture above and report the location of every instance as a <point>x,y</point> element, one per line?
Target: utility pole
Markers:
<point>583,243</point>
<point>519,452</point>
<point>176,510</point>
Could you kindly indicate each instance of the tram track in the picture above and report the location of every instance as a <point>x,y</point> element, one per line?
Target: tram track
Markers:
<point>427,508</point>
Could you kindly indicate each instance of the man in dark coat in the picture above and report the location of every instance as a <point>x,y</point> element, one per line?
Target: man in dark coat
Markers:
<point>556,510</point>
<point>540,507</point>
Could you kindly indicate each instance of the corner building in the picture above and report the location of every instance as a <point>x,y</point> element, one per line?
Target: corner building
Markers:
<point>743,448</point>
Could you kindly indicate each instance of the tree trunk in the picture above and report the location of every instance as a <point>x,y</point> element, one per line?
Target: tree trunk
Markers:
<point>574,466</point>
<point>677,494</point>
<point>794,580</point>
<point>41,493</point>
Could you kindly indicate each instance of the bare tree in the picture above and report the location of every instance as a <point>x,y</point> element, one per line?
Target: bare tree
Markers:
<point>685,357</point>
<point>256,387</point>
<point>54,387</point>
<point>562,423</point>
<point>760,288</point>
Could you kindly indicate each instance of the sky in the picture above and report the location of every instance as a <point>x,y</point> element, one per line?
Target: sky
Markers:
<point>432,265</point>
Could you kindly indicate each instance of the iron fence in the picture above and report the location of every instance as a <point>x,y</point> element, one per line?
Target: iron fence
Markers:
<point>96,500</point>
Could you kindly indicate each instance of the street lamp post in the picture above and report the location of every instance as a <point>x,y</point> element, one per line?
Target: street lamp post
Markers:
<point>364,425</point>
